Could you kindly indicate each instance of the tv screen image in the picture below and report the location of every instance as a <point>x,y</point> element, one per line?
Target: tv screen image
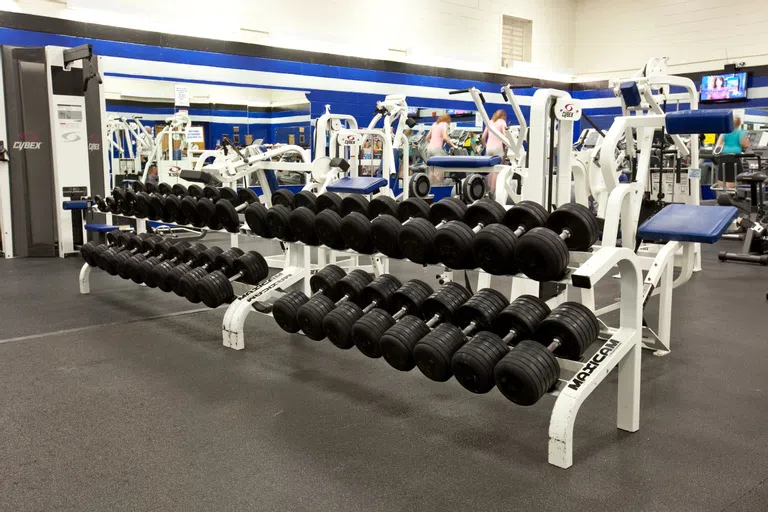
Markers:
<point>726,87</point>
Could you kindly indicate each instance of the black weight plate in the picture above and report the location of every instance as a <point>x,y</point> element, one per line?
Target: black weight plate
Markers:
<point>302,223</point>
<point>398,342</point>
<point>416,241</point>
<point>526,215</point>
<point>380,291</point>
<point>211,192</point>
<point>282,197</point>
<point>188,284</point>
<point>493,248</point>
<point>410,297</point>
<point>180,190</point>
<point>447,209</point>
<point>253,266</point>
<point>353,284</point>
<point>570,323</point>
<point>247,196</point>
<point>173,209</point>
<point>278,221</point>
<point>433,353</point>
<point>367,332</point>
<point>453,245</point>
<point>138,186</point>
<point>356,232</point>
<point>542,255</point>
<point>227,215</point>
<point>413,207</point>
<point>329,201</point>
<point>150,188</point>
<point>229,194</point>
<point>215,289</point>
<point>523,316</point>
<point>481,309</point>
<point>485,212</point>
<point>338,324</point>
<point>195,191</point>
<point>256,218</point>
<point>305,199</point>
<point>354,203</point>
<point>326,281</point>
<point>445,302</point>
<point>164,189</point>
<point>328,229</point>
<point>579,221</point>
<point>523,381</point>
<point>285,309</point>
<point>382,205</point>
<point>473,364</point>
<point>205,208</point>
<point>112,205</point>
<point>385,230</point>
<point>310,316</point>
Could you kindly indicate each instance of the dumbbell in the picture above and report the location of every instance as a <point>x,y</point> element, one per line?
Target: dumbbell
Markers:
<point>101,252</point>
<point>324,282</point>
<point>472,361</point>
<point>310,316</point>
<point>328,221</point>
<point>204,259</point>
<point>226,211</point>
<point>476,314</point>
<point>127,264</point>
<point>141,272</point>
<point>494,247</point>
<point>543,255</point>
<point>385,229</point>
<point>398,342</point>
<point>416,236</point>
<point>278,217</point>
<point>106,205</point>
<point>167,204</point>
<point>125,198</point>
<point>206,206</point>
<point>159,273</point>
<point>111,260</point>
<point>143,207</point>
<point>339,323</point>
<point>138,186</point>
<point>531,369</point>
<point>303,217</point>
<point>356,226</point>
<point>224,261</point>
<point>189,203</point>
<point>91,252</point>
<point>216,288</point>
<point>453,242</point>
<point>283,197</point>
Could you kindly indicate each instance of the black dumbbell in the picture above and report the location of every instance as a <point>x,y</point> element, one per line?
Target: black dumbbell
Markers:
<point>325,281</point>
<point>256,219</point>
<point>180,190</point>
<point>143,187</point>
<point>141,272</point>
<point>167,204</point>
<point>108,205</point>
<point>192,260</point>
<point>127,262</point>
<point>125,198</point>
<point>111,260</point>
<point>224,261</point>
<point>453,242</point>
<point>398,343</point>
<point>206,206</point>
<point>278,223</point>
<point>216,288</point>
<point>543,255</point>
<point>531,369</point>
<point>159,273</point>
<point>226,211</point>
<point>386,297</point>
<point>416,236</point>
<point>385,229</point>
<point>476,314</point>
<point>303,217</point>
<point>103,257</point>
<point>328,221</point>
<point>189,211</point>
<point>91,252</point>
<point>310,316</point>
<point>356,226</point>
<point>473,360</point>
<point>283,197</point>
<point>143,207</point>
<point>494,246</point>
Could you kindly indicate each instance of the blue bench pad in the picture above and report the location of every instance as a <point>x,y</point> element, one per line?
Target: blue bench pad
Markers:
<point>688,223</point>
<point>359,185</point>
<point>473,162</point>
<point>699,121</point>
<point>76,205</point>
<point>100,228</point>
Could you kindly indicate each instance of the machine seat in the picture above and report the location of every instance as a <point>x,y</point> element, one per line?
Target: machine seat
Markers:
<point>100,228</point>
<point>76,205</point>
<point>751,177</point>
<point>688,223</point>
<point>473,162</point>
<point>359,185</point>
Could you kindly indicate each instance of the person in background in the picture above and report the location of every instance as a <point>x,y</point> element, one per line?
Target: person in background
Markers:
<point>493,145</point>
<point>152,176</point>
<point>437,136</point>
<point>733,143</point>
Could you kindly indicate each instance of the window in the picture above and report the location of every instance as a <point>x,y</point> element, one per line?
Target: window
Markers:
<point>515,40</point>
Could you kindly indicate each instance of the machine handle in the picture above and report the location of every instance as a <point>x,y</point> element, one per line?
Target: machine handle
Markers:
<point>460,91</point>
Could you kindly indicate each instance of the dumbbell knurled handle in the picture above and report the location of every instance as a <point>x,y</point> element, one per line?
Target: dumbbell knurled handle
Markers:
<point>400,313</point>
<point>468,329</point>
<point>345,298</point>
<point>565,234</point>
<point>510,336</point>
<point>554,345</point>
<point>434,320</point>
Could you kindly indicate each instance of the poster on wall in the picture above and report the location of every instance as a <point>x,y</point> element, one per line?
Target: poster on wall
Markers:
<point>181,95</point>
<point>195,134</point>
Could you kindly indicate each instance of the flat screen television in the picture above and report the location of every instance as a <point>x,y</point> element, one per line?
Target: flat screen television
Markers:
<point>725,87</point>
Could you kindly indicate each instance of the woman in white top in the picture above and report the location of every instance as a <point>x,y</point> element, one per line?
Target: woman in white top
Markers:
<point>493,145</point>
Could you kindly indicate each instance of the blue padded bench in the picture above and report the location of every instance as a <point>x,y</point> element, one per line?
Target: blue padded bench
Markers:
<point>466,162</point>
<point>699,121</point>
<point>359,185</point>
<point>100,228</point>
<point>688,223</point>
<point>76,205</point>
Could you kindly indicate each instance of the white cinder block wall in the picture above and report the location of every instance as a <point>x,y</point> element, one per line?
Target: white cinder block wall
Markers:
<point>618,36</point>
<point>462,34</point>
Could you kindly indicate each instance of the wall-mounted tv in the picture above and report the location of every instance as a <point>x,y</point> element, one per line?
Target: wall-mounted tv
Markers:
<point>726,87</point>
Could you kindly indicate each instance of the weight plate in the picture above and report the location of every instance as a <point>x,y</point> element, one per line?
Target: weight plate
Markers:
<point>385,230</point>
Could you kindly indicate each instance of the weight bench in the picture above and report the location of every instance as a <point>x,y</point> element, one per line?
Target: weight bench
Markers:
<point>468,164</point>
<point>360,185</point>
<point>680,227</point>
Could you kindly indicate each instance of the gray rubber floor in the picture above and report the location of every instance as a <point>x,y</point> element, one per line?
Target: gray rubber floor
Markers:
<point>126,400</point>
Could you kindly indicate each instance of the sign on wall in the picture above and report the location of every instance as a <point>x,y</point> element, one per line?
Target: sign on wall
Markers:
<point>195,134</point>
<point>181,95</point>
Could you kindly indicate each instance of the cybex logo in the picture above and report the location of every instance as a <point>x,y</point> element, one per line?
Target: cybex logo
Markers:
<point>21,145</point>
<point>94,146</point>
